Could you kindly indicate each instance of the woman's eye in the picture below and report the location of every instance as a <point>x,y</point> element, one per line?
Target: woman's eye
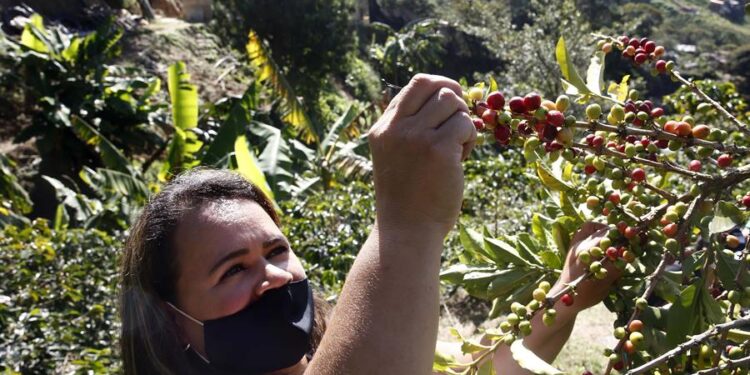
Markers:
<point>237,268</point>
<point>277,251</point>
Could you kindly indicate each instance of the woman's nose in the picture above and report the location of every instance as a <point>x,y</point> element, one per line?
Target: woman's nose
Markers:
<point>274,277</point>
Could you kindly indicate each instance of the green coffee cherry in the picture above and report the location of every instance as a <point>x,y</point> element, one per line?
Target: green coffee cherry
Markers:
<point>593,112</point>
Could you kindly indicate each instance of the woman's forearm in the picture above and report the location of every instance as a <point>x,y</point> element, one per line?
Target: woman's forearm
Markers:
<point>386,318</point>
<point>545,342</point>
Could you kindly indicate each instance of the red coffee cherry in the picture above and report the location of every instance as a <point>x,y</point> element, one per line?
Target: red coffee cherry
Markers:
<point>532,101</point>
<point>496,100</point>
<point>638,175</point>
<point>724,160</point>
<point>567,299</point>
<point>516,105</point>
<point>695,166</point>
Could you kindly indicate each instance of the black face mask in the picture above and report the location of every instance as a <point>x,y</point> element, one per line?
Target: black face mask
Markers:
<point>271,334</point>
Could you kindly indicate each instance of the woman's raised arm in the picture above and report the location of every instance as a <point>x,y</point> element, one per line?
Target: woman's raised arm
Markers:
<point>386,318</point>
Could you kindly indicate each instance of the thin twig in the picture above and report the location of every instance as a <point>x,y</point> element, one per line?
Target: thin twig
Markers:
<point>740,126</point>
<point>695,340</point>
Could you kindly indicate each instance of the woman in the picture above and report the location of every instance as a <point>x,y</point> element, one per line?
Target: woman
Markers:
<point>210,285</point>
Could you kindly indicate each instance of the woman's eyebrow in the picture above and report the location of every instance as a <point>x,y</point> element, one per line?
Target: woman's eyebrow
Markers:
<point>273,241</point>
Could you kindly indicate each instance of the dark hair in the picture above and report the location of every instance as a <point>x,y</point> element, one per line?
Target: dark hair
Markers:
<point>149,341</point>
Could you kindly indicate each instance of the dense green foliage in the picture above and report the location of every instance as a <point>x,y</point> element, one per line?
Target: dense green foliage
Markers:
<point>58,300</point>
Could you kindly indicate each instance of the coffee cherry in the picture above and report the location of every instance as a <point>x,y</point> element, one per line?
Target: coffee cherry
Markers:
<point>614,198</point>
<point>683,129</point>
<point>545,286</point>
<point>630,233</point>
<point>636,338</point>
<point>548,320</point>
<point>659,51</point>
<point>701,131</point>
<point>641,304</point>
<point>567,299</point>
<point>601,274</point>
<point>584,257</point>
<point>695,166</point>
<point>593,112</point>
<point>592,202</point>
<point>532,101</point>
<point>670,230</point>
<point>555,118</point>
<point>489,116</point>
<point>476,93</point>
<point>533,305</point>
<point>496,100</point>
<point>516,105</point>
<point>735,352</point>
<point>732,241</point>
<point>638,175</point>
<point>478,124</point>
<point>640,58</point>
<point>661,66</point>
<point>565,136</point>
<point>502,134</point>
<point>635,325</point>
<point>506,327</point>
<point>672,245</point>
<point>612,253</point>
<point>620,333</point>
<point>562,103</point>
<point>525,328</point>
<point>746,201</point>
<point>513,319</point>
<point>724,160</point>
<point>539,295</point>
<point>617,112</point>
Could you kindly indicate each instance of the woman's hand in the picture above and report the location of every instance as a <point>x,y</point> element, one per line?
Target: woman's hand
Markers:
<point>417,148</point>
<point>591,291</point>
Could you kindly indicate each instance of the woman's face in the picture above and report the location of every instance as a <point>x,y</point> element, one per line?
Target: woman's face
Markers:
<point>229,253</point>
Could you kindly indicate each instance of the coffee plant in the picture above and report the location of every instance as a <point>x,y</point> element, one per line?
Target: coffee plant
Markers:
<point>669,181</point>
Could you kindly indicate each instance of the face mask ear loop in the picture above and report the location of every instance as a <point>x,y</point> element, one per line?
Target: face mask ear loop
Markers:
<point>196,321</point>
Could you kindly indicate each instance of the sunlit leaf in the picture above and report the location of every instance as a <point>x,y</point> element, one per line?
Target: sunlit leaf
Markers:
<point>530,361</point>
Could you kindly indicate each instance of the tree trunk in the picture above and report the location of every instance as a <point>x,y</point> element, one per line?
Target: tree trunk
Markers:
<point>146,9</point>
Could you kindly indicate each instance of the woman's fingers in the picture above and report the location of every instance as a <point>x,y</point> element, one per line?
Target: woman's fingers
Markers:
<point>458,130</point>
<point>418,91</point>
<point>439,108</point>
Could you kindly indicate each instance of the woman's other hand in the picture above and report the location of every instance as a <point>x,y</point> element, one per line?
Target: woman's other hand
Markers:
<point>591,291</point>
<point>417,148</point>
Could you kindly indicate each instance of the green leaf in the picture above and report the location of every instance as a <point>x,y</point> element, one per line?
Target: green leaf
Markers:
<point>595,73</point>
<point>502,252</point>
<point>248,167</point>
<point>111,156</point>
<point>684,314</point>
<point>443,362</point>
<point>473,243</point>
<point>234,126</point>
<point>620,91</point>
<point>530,361</point>
<point>569,72</point>
<point>526,248</point>
<point>487,368</point>
<point>537,227</point>
<point>551,259</point>
<point>184,97</point>
<point>727,268</point>
<point>550,180</point>
<point>726,216</point>
<point>455,273</point>
<point>266,70</point>
<point>561,238</point>
<point>184,143</point>
<point>329,142</point>
<point>30,39</point>
<point>506,281</point>
<point>493,84</point>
